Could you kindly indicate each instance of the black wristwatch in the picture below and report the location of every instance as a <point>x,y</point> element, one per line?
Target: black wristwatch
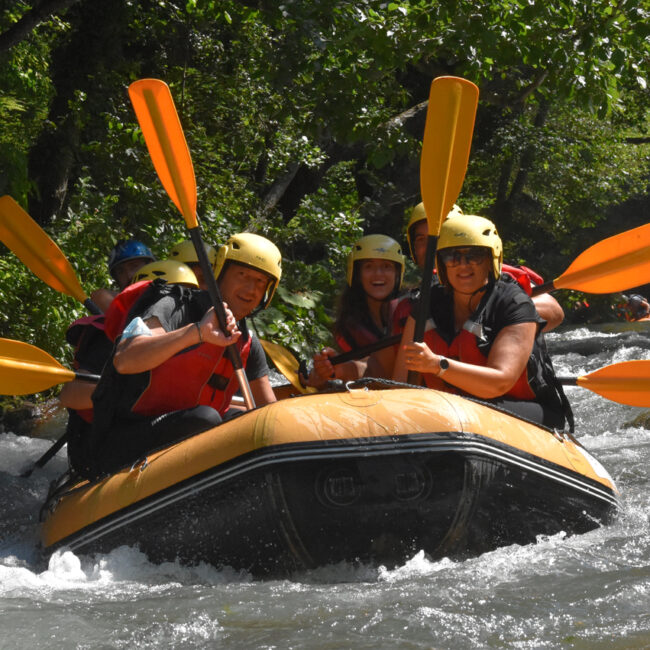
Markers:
<point>444,364</point>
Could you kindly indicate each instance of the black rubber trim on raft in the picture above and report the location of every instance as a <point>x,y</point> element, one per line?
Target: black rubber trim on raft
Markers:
<point>410,443</point>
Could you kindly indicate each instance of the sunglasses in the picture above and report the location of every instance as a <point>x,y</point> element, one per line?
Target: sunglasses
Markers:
<point>455,256</point>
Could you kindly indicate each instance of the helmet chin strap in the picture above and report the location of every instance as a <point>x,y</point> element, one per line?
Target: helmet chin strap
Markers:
<point>471,295</point>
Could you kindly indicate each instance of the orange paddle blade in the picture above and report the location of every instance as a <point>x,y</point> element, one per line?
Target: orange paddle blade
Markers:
<point>34,248</point>
<point>614,264</point>
<point>445,148</point>
<point>26,369</point>
<point>163,133</point>
<point>627,382</point>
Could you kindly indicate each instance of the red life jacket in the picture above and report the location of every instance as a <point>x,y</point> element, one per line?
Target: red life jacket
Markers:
<point>76,329</point>
<point>121,306</point>
<point>358,335</point>
<point>201,375</point>
<point>524,276</point>
<point>464,348</point>
<point>209,377</point>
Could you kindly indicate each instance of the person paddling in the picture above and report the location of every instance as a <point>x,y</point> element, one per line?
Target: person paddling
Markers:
<point>417,232</point>
<point>95,349</point>
<point>168,377</point>
<point>637,308</point>
<point>375,270</point>
<point>483,337</point>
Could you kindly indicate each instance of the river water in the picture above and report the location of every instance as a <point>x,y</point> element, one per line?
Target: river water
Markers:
<point>588,591</point>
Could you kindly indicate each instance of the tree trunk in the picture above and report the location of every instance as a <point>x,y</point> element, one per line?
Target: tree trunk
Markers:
<point>81,69</point>
<point>31,19</point>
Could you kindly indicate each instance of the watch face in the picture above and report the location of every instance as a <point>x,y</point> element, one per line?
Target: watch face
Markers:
<point>444,363</point>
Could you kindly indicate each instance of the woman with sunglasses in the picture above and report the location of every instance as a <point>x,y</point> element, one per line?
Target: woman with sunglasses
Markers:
<point>483,337</point>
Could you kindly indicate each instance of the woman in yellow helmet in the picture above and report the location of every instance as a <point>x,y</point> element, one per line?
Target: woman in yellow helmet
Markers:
<point>417,232</point>
<point>375,269</point>
<point>483,337</point>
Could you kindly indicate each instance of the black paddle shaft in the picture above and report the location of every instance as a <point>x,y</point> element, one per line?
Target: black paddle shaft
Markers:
<point>425,300</point>
<point>364,351</point>
<point>425,291</point>
<point>92,307</point>
<point>215,294</point>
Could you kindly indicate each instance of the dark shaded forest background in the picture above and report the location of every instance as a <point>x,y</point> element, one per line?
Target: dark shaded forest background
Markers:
<point>305,121</point>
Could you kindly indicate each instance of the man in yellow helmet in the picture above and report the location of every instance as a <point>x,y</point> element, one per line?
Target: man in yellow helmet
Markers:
<point>169,377</point>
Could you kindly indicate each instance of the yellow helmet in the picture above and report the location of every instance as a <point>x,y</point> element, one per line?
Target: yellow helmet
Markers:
<point>255,251</point>
<point>418,214</point>
<point>185,252</point>
<point>170,271</point>
<point>470,230</point>
<point>380,247</point>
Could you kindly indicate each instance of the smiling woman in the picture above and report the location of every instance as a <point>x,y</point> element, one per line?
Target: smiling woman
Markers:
<point>484,336</point>
<point>374,276</point>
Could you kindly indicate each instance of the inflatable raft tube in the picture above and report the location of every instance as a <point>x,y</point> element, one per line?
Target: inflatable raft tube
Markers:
<point>359,476</point>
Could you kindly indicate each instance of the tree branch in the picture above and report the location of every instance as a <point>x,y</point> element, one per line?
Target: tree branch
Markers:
<point>502,99</point>
<point>21,29</point>
<point>528,156</point>
<point>277,189</point>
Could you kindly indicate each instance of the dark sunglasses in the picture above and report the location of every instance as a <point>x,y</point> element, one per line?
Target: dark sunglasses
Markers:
<point>454,256</point>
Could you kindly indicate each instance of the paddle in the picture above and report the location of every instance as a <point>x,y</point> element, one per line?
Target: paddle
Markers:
<point>38,252</point>
<point>163,133</point>
<point>613,264</point>
<point>286,363</point>
<point>443,163</point>
<point>627,382</point>
<point>289,366</point>
<point>26,369</point>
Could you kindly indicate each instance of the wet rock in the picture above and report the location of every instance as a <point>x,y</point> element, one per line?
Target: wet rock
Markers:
<point>641,421</point>
<point>42,420</point>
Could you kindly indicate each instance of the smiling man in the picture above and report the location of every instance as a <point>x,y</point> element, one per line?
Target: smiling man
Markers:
<point>168,377</point>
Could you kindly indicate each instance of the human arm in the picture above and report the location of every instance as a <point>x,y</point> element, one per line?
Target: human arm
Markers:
<point>505,362</point>
<point>77,394</point>
<point>550,310</point>
<point>141,353</point>
<point>103,298</point>
<point>262,391</point>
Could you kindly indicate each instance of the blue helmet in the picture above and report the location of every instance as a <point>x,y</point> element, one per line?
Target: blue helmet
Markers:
<point>126,250</point>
